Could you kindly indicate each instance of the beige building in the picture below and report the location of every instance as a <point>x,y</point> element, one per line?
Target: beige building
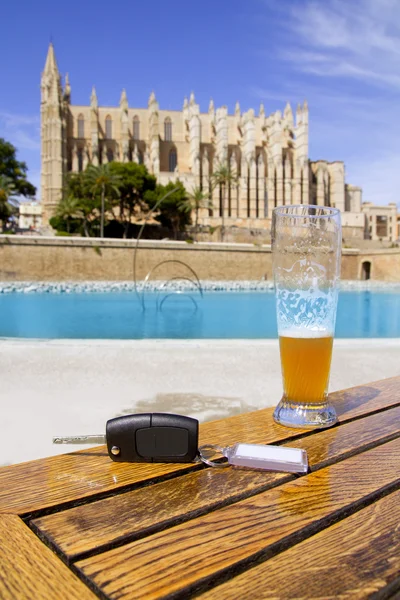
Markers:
<point>30,215</point>
<point>380,222</point>
<point>268,153</point>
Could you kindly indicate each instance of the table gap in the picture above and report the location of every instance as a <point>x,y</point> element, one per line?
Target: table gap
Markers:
<point>36,514</point>
<point>128,538</point>
<point>191,468</point>
<point>284,544</point>
<point>389,592</point>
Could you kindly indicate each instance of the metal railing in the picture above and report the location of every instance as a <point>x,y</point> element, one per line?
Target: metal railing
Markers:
<point>195,281</point>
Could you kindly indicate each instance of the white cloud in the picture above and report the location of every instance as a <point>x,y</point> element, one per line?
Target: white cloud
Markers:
<point>22,139</point>
<point>358,39</point>
<point>344,57</point>
<point>21,130</point>
<point>16,120</point>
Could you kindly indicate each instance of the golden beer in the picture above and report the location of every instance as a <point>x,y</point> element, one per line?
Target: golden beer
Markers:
<point>306,251</point>
<point>306,363</point>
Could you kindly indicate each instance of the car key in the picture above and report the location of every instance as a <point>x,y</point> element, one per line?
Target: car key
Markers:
<point>146,437</point>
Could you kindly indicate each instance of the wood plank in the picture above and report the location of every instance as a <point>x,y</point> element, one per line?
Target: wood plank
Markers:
<point>28,569</point>
<point>107,521</point>
<point>353,559</point>
<point>45,483</point>
<point>197,551</point>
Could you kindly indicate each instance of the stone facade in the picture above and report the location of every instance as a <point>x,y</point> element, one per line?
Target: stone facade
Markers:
<point>30,215</point>
<point>381,222</point>
<point>268,153</point>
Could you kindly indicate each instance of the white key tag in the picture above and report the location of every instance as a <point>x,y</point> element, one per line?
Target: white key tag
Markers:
<point>255,456</point>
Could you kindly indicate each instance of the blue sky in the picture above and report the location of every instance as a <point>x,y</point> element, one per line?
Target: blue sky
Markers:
<point>342,55</point>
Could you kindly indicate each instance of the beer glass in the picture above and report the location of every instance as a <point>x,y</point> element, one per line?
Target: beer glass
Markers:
<point>306,251</point>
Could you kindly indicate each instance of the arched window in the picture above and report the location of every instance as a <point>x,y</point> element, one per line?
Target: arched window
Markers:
<point>81,126</point>
<point>136,128</point>
<point>168,130</point>
<point>140,157</point>
<point>110,155</point>
<point>108,127</point>
<point>172,160</point>
<point>80,160</point>
<point>366,270</point>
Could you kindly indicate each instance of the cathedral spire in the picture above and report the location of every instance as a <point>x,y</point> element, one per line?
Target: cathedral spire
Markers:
<point>237,109</point>
<point>152,99</point>
<point>288,114</point>
<point>211,106</point>
<point>299,115</point>
<point>185,103</point>
<point>51,64</point>
<point>51,80</point>
<point>305,111</point>
<point>123,103</point>
<point>261,112</point>
<point>93,99</point>
<point>191,99</point>
<point>67,88</point>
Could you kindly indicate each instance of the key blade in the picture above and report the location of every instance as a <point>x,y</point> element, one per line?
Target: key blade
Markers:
<point>80,439</point>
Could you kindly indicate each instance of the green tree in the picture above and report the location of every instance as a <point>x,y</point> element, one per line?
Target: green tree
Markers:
<point>134,182</point>
<point>223,177</point>
<point>67,210</point>
<point>7,191</point>
<point>172,213</point>
<point>194,201</point>
<point>102,180</point>
<point>14,169</point>
<point>78,188</point>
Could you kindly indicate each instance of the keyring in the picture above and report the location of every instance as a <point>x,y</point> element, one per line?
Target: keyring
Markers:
<point>212,463</point>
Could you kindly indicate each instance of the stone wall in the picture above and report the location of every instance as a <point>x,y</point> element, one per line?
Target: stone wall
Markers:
<point>65,259</point>
<point>385,264</point>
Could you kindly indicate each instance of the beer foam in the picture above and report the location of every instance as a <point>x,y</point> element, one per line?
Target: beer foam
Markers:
<point>301,332</point>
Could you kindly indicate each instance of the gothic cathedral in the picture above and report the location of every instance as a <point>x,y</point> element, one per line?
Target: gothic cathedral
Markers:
<point>267,153</point>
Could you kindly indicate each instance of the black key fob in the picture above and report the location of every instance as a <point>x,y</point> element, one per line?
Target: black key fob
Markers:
<point>152,437</point>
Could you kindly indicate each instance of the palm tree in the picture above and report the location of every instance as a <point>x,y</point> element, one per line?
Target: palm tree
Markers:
<point>102,179</point>
<point>196,200</point>
<point>7,191</point>
<point>68,208</point>
<point>223,177</point>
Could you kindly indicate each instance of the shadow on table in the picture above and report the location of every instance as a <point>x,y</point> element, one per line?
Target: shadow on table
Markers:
<point>348,400</point>
<point>204,408</point>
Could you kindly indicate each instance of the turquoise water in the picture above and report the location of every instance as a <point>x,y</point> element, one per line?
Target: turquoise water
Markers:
<point>223,315</point>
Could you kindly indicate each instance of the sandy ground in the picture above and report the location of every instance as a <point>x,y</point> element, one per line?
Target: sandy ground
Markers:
<point>73,386</point>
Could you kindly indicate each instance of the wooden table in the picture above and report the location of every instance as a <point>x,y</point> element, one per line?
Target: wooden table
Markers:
<point>80,526</point>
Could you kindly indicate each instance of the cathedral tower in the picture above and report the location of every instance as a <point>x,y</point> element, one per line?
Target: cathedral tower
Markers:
<point>52,111</point>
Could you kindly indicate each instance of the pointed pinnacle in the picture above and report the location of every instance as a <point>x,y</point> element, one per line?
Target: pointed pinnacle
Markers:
<point>123,102</point>
<point>67,89</point>
<point>93,98</point>
<point>152,98</point>
<point>51,63</point>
